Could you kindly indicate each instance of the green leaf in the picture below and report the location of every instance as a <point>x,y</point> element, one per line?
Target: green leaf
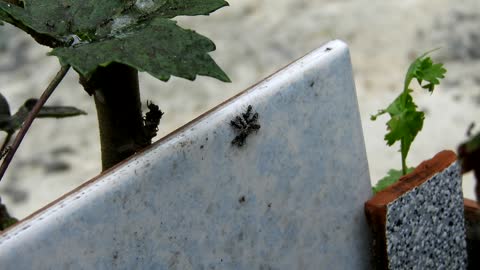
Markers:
<point>5,17</point>
<point>391,178</point>
<point>431,73</point>
<point>7,222</point>
<point>172,8</point>
<point>4,107</point>
<point>159,47</point>
<point>423,69</point>
<point>10,123</point>
<point>91,33</point>
<point>5,114</point>
<point>405,122</point>
<point>61,18</point>
<point>473,144</point>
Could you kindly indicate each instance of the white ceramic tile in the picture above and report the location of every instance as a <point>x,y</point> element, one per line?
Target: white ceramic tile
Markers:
<point>290,198</point>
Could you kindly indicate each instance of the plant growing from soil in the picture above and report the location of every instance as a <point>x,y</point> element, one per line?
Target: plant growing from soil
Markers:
<point>405,120</point>
<point>107,43</point>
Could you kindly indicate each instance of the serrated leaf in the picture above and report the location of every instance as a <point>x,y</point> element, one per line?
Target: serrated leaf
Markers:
<point>4,17</point>
<point>62,18</point>
<point>405,122</point>
<point>412,70</point>
<point>423,69</point>
<point>404,127</point>
<point>93,33</point>
<point>159,47</point>
<point>431,73</point>
<point>172,8</point>
<point>392,177</point>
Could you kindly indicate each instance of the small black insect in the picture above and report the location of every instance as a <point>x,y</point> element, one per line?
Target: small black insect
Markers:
<point>244,125</point>
<point>152,120</point>
<point>241,199</point>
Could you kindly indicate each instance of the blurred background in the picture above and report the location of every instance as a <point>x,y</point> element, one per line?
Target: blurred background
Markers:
<point>255,38</point>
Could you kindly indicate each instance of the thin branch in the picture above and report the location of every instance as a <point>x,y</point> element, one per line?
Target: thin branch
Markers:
<point>31,116</point>
<point>5,144</point>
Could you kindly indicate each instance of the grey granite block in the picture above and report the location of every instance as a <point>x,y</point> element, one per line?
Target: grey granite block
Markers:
<point>281,188</point>
<point>424,218</point>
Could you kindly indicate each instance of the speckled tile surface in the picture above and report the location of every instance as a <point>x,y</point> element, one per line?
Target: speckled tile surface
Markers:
<point>426,227</point>
<point>280,199</point>
<point>418,222</point>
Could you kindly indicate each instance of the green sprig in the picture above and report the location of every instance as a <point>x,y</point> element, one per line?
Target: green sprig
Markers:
<point>391,177</point>
<point>405,120</point>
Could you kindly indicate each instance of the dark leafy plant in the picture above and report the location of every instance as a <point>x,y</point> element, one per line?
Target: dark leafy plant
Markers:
<point>405,120</point>
<point>469,155</point>
<point>90,34</point>
<point>11,123</point>
<point>107,43</point>
<point>391,177</point>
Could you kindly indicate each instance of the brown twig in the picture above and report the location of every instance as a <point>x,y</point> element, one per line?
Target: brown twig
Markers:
<point>3,149</point>
<point>31,116</point>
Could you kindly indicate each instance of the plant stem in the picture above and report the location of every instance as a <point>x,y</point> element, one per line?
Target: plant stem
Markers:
<point>404,158</point>
<point>117,99</point>
<point>31,116</point>
<point>402,141</point>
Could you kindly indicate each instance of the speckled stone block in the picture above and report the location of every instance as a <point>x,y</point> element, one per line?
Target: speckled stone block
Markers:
<point>419,221</point>
<point>282,188</point>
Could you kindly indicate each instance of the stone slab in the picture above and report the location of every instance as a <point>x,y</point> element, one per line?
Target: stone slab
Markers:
<point>287,195</point>
<point>418,222</point>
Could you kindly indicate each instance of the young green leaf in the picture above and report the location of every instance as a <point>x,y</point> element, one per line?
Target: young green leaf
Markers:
<point>406,121</point>
<point>423,69</point>
<point>391,178</point>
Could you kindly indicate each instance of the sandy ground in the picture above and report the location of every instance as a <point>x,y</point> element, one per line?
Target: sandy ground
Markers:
<point>255,38</point>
